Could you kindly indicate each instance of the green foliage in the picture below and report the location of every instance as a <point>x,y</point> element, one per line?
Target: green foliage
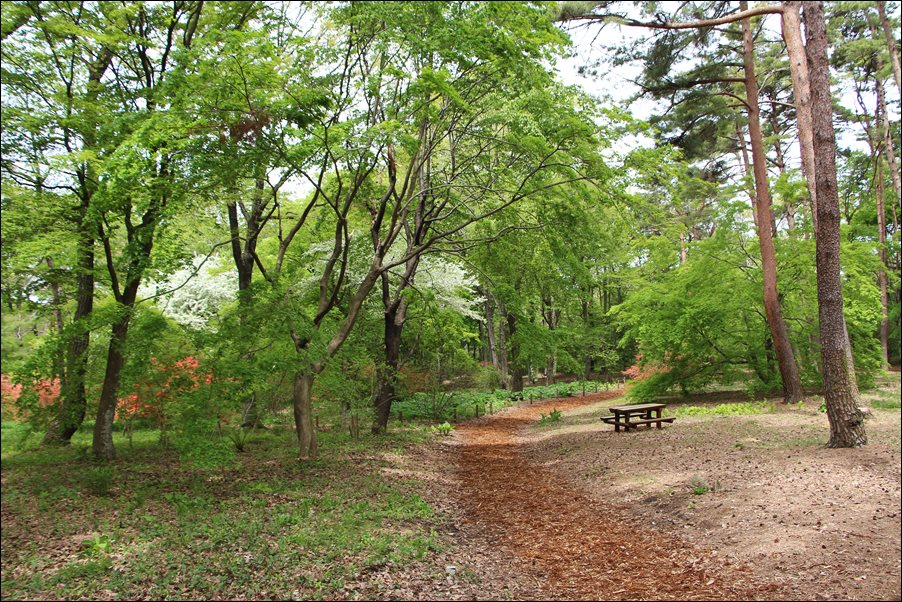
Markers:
<point>726,409</point>
<point>98,545</point>
<point>886,404</point>
<point>443,429</point>
<point>552,417</point>
<point>99,480</point>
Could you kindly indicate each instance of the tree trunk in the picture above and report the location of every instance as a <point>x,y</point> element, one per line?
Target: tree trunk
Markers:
<point>74,400</point>
<point>880,196</point>
<point>747,168</point>
<point>587,360</point>
<point>74,404</point>
<point>516,368</point>
<point>789,371</point>
<point>888,142</point>
<point>490,332</point>
<point>881,270</point>
<point>840,397</point>
<point>303,415</point>
<point>103,428</point>
<point>503,355</point>
<point>388,372</point>
<point>801,90</point>
<point>890,45</point>
<point>788,209</point>
<point>243,257</point>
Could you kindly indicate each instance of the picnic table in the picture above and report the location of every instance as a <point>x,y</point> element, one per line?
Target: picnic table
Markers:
<point>630,417</point>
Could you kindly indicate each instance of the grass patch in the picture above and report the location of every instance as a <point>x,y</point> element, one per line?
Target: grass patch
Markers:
<point>886,404</point>
<point>269,527</point>
<point>727,409</point>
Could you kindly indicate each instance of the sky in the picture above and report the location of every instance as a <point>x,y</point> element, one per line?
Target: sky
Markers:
<point>592,41</point>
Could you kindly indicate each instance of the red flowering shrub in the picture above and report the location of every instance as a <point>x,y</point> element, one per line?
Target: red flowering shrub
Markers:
<point>163,384</point>
<point>47,391</point>
<point>638,371</point>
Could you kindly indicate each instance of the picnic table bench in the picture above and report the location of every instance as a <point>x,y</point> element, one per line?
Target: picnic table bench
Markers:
<point>630,417</point>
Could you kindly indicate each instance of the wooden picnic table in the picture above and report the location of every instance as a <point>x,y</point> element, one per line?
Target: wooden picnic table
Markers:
<point>631,416</point>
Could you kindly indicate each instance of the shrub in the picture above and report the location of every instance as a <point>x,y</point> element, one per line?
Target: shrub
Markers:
<point>553,416</point>
<point>443,429</point>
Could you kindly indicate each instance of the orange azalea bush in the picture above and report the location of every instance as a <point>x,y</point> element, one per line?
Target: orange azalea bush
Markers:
<point>46,390</point>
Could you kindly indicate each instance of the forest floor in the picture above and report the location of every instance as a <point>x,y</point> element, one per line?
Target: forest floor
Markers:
<point>748,506</point>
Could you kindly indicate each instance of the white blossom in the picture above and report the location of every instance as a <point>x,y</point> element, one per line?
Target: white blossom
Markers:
<point>193,295</point>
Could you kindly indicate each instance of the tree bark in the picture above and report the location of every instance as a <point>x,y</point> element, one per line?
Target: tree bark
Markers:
<point>503,354</point>
<point>788,209</point>
<point>840,397</point>
<point>303,415</point>
<point>890,45</point>
<point>243,257</point>
<point>103,428</point>
<point>393,323</point>
<point>888,142</point>
<point>881,270</point>
<point>74,403</point>
<point>874,143</point>
<point>789,371</point>
<point>801,91</point>
<point>516,368</point>
<point>747,168</point>
<point>492,347</point>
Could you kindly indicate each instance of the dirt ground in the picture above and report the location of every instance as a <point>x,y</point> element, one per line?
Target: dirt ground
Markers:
<point>573,510</point>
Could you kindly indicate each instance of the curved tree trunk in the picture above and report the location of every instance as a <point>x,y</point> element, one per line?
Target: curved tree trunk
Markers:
<point>840,394</point>
<point>792,384</point>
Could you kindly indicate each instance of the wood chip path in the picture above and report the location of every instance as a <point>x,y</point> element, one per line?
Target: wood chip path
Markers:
<point>584,548</point>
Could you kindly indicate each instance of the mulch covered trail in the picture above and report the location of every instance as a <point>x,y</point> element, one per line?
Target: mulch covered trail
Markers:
<point>580,547</point>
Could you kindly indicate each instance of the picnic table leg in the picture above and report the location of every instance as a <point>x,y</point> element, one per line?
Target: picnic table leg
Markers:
<point>658,415</point>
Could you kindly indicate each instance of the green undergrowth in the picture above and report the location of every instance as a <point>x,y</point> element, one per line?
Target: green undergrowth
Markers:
<point>454,406</point>
<point>886,404</point>
<point>886,400</point>
<point>727,409</point>
<point>150,527</point>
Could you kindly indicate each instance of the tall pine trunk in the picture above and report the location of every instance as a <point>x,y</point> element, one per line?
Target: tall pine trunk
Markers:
<point>881,270</point>
<point>840,394</point>
<point>801,91</point>
<point>789,371</point>
<point>890,45</point>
